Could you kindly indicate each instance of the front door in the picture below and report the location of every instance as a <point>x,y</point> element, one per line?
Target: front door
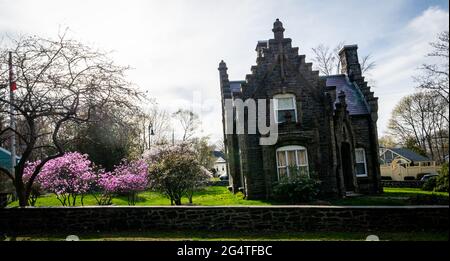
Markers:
<point>347,169</point>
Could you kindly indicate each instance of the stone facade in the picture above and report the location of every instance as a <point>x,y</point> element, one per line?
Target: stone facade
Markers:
<point>335,116</point>
<point>249,218</point>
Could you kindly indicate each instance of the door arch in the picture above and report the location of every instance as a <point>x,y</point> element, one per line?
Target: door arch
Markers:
<point>347,166</point>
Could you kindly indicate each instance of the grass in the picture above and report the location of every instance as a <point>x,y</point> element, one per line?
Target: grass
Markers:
<point>411,192</point>
<point>220,196</point>
<point>242,235</point>
<point>394,197</point>
<point>210,196</point>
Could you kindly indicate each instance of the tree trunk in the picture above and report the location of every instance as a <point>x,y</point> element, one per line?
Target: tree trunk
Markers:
<point>430,146</point>
<point>21,193</point>
<point>20,188</point>
<point>190,195</point>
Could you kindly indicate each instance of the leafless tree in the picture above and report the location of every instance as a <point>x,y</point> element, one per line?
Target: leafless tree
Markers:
<point>58,82</point>
<point>220,145</point>
<point>419,116</point>
<point>159,119</point>
<point>387,141</point>
<point>367,64</point>
<point>435,77</point>
<point>189,121</point>
<point>328,62</point>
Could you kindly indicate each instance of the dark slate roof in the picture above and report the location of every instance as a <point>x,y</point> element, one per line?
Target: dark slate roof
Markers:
<point>218,154</point>
<point>409,154</point>
<point>235,86</point>
<point>356,105</point>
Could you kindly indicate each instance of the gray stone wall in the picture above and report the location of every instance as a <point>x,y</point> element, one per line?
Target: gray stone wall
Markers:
<point>286,218</point>
<point>361,128</point>
<point>402,184</point>
<point>219,183</point>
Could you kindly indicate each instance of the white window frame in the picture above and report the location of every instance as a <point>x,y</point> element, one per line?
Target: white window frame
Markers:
<point>365,162</point>
<point>284,96</point>
<point>295,148</point>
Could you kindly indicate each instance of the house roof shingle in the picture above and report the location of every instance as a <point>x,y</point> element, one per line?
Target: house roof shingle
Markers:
<point>356,104</point>
<point>409,154</point>
<point>218,154</point>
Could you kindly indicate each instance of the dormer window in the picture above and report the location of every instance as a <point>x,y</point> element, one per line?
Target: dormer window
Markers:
<point>285,108</point>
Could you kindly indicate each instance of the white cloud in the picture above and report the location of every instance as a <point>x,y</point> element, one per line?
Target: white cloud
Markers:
<point>399,63</point>
<point>175,46</point>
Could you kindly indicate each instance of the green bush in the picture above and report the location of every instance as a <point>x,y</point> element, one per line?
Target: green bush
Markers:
<point>429,184</point>
<point>300,189</point>
<point>442,179</point>
<point>439,183</point>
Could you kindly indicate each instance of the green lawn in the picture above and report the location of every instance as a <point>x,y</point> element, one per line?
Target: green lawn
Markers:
<point>219,195</point>
<point>242,235</point>
<point>411,191</point>
<point>397,197</point>
<point>210,196</point>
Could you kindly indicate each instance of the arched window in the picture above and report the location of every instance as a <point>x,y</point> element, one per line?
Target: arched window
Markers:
<point>285,108</point>
<point>291,161</point>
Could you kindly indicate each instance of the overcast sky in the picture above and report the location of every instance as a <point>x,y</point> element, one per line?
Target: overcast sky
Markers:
<point>175,46</point>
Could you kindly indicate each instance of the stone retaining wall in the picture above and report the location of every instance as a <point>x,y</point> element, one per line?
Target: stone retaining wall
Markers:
<point>219,183</point>
<point>402,184</point>
<point>300,218</point>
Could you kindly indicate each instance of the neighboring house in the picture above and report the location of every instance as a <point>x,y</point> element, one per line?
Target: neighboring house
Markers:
<point>404,164</point>
<point>6,185</point>
<point>327,125</point>
<point>220,164</point>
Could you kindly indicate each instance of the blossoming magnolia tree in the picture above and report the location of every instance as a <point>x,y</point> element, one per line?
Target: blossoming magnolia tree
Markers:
<point>67,177</point>
<point>36,187</point>
<point>127,178</point>
<point>73,175</point>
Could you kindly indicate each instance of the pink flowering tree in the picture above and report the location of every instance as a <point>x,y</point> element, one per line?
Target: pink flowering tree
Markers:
<point>105,187</point>
<point>36,189</point>
<point>132,177</point>
<point>73,175</point>
<point>68,177</point>
<point>127,178</point>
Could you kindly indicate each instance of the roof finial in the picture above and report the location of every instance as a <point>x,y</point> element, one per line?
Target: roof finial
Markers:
<point>222,65</point>
<point>278,29</point>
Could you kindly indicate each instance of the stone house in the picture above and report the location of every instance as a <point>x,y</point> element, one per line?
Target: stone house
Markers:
<point>327,125</point>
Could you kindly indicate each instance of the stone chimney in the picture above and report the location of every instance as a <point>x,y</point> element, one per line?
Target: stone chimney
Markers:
<point>350,63</point>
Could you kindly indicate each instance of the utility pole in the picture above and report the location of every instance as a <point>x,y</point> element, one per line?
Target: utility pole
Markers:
<point>173,137</point>
<point>12,88</point>
<point>150,133</point>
